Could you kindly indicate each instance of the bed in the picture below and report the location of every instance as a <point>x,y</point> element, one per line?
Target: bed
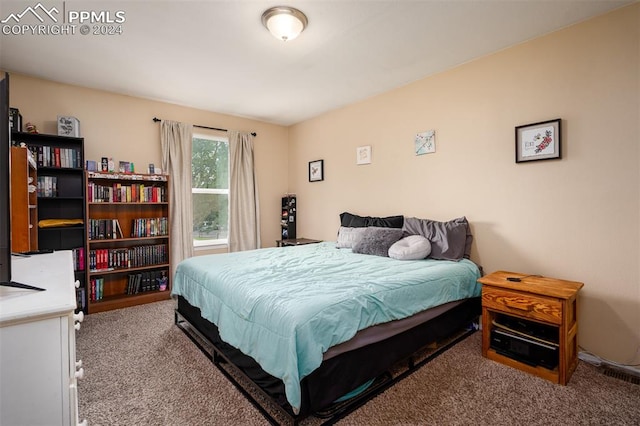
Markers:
<point>313,326</point>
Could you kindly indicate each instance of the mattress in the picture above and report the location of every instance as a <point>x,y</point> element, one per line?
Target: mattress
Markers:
<point>380,332</point>
<point>286,308</point>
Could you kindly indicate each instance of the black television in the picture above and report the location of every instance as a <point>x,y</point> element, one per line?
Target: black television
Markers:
<point>5,183</point>
<point>5,190</point>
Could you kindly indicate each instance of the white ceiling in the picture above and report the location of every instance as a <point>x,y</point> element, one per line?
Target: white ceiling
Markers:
<point>217,56</point>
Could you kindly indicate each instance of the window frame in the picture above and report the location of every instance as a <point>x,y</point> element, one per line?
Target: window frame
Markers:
<point>218,242</point>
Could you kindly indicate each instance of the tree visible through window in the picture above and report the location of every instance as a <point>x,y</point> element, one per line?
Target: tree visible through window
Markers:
<point>210,189</point>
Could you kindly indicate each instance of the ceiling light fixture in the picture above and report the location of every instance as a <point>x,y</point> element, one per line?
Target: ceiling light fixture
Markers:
<point>284,22</point>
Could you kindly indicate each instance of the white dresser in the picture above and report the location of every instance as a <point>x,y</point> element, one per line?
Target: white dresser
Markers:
<point>38,367</point>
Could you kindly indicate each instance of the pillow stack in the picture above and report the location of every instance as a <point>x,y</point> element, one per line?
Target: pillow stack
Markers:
<point>405,238</point>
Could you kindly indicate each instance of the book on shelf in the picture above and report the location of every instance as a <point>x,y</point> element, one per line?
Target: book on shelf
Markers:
<point>116,222</point>
<point>78,258</point>
<point>101,260</point>
<point>149,227</point>
<point>80,298</point>
<point>105,229</point>
<point>47,186</point>
<point>96,288</point>
<point>147,281</point>
<point>56,157</point>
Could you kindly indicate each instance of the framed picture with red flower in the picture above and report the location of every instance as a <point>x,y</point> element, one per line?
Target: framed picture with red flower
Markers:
<point>539,141</point>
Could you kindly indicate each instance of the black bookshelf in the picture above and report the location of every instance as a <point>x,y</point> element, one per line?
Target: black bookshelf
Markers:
<point>61,197</point>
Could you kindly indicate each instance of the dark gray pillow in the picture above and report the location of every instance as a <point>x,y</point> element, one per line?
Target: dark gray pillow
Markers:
<point>449,240</point>
<point>355,221</point>
<point>376,241</point>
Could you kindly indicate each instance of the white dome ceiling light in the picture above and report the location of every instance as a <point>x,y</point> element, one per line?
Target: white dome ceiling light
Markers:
<point>284,22</point>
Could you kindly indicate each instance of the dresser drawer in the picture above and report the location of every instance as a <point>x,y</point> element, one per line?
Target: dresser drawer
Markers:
<point>522,304</point>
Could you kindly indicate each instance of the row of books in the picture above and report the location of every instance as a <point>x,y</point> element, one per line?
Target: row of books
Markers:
<point>47,156</point>
<point>109,229</point>
<point>96,288</point>
<point>78,258</point>
<point>147,281</point>
<point>121,193</point>
<point>131,257</point>
<point>137,283</point>
<point>80,300</point>
<point>47,186</point>
<point>150,227</point>
<point>124,176</point>
<point>104,229</point>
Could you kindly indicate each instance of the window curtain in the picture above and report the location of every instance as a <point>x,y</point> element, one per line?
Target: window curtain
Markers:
<point>176,141</point>
<point>244,212</point>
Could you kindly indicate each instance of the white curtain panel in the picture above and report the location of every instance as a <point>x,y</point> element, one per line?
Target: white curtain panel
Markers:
<point>244,211</point>
<point>176,141</point>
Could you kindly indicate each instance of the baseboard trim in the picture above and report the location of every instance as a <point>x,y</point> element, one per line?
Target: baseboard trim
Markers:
<point>611,368</point>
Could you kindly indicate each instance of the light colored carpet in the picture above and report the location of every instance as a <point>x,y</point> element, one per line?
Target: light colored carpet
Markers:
<point>140,369</point>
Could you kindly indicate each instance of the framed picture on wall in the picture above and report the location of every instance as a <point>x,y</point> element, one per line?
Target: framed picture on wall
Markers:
<point>316,170</point>
<point>363,155</point>
<point>539,141</point>
<point>425,143</point>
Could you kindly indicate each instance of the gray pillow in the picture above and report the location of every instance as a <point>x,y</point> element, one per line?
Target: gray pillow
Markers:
<point>449,240</point>
<point>377,240</point>
<point>347,237</point>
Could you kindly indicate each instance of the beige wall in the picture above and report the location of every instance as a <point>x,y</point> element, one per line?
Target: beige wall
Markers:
<point>121,127</point>
<point>575,218</point>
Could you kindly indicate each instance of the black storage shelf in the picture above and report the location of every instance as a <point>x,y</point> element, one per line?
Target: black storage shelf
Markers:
<point>288,219</point>
<point>68,201</point>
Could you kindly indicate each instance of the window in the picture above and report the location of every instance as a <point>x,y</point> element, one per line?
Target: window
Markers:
<point>210,189</point>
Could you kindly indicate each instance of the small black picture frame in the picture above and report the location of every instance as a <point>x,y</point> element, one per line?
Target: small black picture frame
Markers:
<point>316,171</point>
<point>539,141</point>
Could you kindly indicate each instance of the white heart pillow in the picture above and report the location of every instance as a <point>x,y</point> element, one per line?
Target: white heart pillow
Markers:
<point>413,247</point>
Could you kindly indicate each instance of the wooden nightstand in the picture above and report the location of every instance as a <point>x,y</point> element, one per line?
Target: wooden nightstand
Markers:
<point>532,300</point>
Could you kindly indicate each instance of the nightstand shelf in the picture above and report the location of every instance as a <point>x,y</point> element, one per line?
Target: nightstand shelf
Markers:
<point>532,300</point>
<point>296,242</point>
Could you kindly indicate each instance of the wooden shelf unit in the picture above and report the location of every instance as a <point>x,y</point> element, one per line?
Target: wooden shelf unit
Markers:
<point>105,205</point>
<point>24,200</point>
<point>543,300</point>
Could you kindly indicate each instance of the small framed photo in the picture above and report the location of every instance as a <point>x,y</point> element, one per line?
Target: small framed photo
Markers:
<point>425,142</point>
<point>363,155</point>
<point>316,170</point>
<point>68,126</point>
<point>539,141</point>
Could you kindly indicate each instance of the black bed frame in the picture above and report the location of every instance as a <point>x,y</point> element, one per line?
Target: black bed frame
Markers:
<point>336,376</point>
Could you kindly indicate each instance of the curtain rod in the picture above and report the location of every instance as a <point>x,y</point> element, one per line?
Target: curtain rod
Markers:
<point>254,134</point>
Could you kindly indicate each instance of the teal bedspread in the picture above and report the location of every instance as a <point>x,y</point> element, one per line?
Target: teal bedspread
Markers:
<point>286,306</point>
